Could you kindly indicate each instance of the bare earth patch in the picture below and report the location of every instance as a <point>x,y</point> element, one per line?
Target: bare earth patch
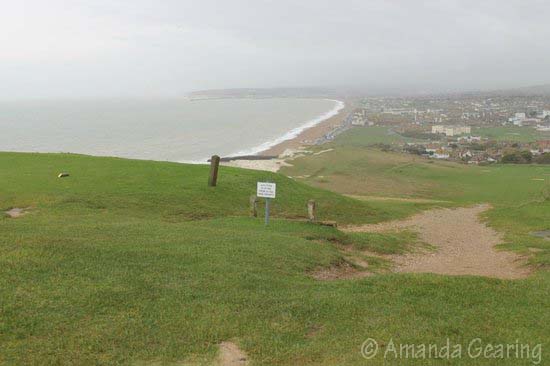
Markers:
<point>272,165</point>
<point>341,271</point>
<point>545,234</point>
<point>231,355</point>
<point>16,212</point>
<point>465,245</point>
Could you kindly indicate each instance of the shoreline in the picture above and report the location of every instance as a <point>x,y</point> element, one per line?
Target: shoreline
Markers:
<point>310,135</point>
<point>277,155</point>
<point>268,147</point>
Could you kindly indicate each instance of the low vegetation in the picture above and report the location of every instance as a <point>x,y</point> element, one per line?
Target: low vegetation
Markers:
<point>543,159</point>
<point>404,184</point>
<point>386,243</point>
<point>139,263</point>
<point>511,133</point>
<point>517,157</point>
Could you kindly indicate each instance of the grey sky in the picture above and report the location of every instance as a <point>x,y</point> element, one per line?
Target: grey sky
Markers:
<point>71,48</point>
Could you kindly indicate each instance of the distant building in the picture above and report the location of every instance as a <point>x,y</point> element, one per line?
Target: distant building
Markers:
<point>438,129</point>
<point>432,148</point>
<point>440,154</point>
<point>544,146</point>
<point>469,139</point>
<point>359,118</point>
<point>451,130</point>
<point>398,111</point>
<point>466,154</point>
<point>518,119</point>
<point>530,122</point>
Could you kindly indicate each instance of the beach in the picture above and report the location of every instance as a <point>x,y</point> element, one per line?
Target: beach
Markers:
<point>286,150</point>
<point>312,134</point>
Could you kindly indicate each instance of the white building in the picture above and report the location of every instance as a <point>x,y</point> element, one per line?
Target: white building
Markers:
<point>451,130</point>
<point>469,139</point>
<point>440,154</point>
<point>358,122</point>
<point>359,118</point>
<point>518,119</point>
<point>438,129</point>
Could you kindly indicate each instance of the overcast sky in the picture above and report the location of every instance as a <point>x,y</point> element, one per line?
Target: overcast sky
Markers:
<point>103,48</point>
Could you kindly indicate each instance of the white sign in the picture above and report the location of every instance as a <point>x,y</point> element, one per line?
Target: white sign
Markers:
<point>266,190</point>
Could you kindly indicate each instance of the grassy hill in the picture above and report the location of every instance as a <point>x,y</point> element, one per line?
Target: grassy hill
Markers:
<point>139,263</point>
<point>520,194</point>
<point>175,192</point>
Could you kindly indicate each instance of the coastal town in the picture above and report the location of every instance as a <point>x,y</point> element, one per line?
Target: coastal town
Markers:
<point>473,129</point>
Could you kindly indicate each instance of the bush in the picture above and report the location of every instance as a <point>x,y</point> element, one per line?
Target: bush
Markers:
<point>383,147</point>
<point>543,159</point>
<point>420,135</point>
<point>517,157</point>
<point>416,150</point>
<point>527,156</point>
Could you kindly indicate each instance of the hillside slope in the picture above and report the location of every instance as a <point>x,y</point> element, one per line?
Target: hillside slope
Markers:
<point>175,192</point>
<point>139,263</point>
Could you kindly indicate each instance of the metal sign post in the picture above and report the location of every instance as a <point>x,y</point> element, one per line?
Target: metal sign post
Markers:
<point>266,190</point>
<point>267,211</point>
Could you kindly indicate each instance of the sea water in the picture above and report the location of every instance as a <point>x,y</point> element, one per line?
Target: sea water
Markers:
<point>162,129</point>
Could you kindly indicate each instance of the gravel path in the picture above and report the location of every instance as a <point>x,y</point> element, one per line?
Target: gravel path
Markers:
<point>464,245</point>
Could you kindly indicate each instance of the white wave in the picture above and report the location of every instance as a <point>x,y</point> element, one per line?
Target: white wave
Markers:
<point>339,105</point>
<point>294,132</point>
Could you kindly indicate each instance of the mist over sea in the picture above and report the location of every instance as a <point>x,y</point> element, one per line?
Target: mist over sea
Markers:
<point>162,129</point>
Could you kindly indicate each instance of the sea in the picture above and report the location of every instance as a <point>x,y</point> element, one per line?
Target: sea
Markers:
<point>180,130</point>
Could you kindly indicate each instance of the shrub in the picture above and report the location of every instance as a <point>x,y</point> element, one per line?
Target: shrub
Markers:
<point>543,159</point>
<point>517,157</point>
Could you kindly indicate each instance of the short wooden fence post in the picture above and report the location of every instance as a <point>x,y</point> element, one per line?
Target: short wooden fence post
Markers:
<point>213,177</point>
<point>254,205</point>
<point>311,207</point>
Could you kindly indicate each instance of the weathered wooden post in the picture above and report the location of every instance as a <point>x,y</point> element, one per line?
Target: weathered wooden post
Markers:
<point>311,210</point>
<point>214,164</point>
<point>254,205</point>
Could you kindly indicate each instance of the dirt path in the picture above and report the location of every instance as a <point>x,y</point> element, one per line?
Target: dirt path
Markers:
<point>464,245</point>
<point>231,355</point>
<point>399,199</point>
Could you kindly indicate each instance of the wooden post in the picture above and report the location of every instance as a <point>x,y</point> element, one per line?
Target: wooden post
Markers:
<point>214,164</point>
<point>311,210</point>
<point>254,205</point>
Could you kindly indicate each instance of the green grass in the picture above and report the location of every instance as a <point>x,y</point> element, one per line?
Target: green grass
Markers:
<point>518,193</point>
<point>386,243</point>
<point>366,136</point>
<point>139,263</point>
<point>175,191</point>
<point>511,133</point>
